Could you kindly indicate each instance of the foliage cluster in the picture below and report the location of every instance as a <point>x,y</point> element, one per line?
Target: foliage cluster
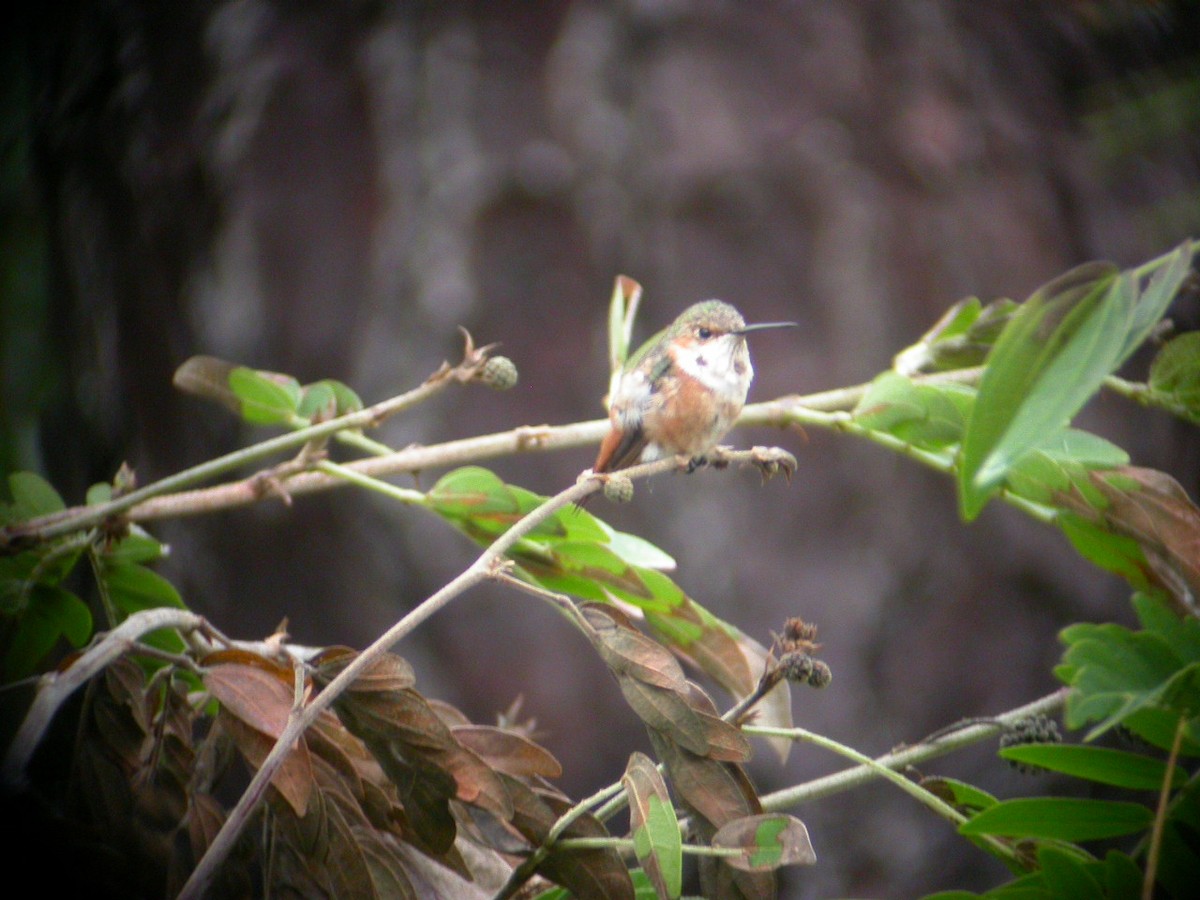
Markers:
<point>370,788</point>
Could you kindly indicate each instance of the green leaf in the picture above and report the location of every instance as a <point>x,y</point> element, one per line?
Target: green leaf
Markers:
<point>1067,876</point>
<point>134,588</point>
<point>1122,877</point>
<point>959,794</point>
<point>136,547</point>
<point>961,338</point>
<point>98,493</point>
<point>53,612</point>
<point>638,550</point>
<point>622,311</point>
<point>266,398</point>
<point>1059,818</point>
<point>1175,374</point>
<point>1116,553</point>
<point>1118,673</point>
<point>928,416</point>
<point>32,496</point>
<point>1061,466</point>
<point>1116,767</point>
<point>317,402</point>
<point>1054,354</point>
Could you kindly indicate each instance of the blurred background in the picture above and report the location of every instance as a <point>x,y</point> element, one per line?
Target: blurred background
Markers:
<point>329,190</point>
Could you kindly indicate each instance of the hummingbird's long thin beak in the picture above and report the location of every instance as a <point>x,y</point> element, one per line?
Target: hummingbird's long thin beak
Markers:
<point>762,325</point>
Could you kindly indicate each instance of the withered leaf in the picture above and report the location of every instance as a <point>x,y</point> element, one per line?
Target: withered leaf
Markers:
<point>767,842</point>
<point>258,697</point>
<point>626,651</point>
<point>387,672</point>
<point>597,874</point>
<point>1151,508</point>
<point>507,751</point>
<point>294,777</point>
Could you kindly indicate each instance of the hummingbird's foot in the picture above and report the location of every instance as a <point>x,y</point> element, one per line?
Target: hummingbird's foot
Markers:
<point>696,462</point>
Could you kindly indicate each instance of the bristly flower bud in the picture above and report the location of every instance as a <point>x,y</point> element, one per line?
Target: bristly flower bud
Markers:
<point>820,676</point>
<point>1031,730</point>
<point>796,666</point>
<point>618,488</point>
<point>499,373</point>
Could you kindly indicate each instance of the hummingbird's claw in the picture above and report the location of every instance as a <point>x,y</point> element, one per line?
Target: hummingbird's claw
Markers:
<point>772,461</point>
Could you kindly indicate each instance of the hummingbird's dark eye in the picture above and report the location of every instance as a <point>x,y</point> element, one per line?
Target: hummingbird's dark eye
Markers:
<point>704,333</point>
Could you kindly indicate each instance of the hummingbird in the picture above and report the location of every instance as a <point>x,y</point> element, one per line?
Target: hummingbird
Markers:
<point>681,392</point>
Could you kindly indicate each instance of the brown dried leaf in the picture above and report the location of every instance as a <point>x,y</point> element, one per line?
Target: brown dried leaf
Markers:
<point>259,697</point>
<point>208,377</point>
<point>626,651</point>
<point>293,779</point>
<point>1157,512</point>
<point>767,842</point>
<point>508,752</point>
<point>387,672</point>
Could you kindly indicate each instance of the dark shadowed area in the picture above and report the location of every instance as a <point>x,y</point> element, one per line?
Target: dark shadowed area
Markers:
<point>328,190</point>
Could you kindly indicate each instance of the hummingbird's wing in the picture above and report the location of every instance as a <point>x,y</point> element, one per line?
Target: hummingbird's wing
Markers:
<point>627,438</point>
<point>621,448</point>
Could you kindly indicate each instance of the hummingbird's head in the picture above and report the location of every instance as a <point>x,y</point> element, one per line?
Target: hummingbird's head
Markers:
<point>705,322</point>
<point>708,341</point>
<point>714,320</point>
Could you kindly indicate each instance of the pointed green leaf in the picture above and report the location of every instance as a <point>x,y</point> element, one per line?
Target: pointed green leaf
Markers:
<point>1175,374</point>
<point>1053,355</point>
<point>1059,818</point>
<point>1101,764</point>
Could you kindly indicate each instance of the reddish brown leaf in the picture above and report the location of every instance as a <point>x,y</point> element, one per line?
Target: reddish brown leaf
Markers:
<point>387,672</point>
<point>293,779</point>
<point>1151,508</point>
<point>257,696</point>
<point>508,752</point>
<point>767,842</point>
<point>627,651</point>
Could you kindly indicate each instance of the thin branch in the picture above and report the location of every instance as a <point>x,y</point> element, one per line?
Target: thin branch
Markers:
<point>175,495</point>
<point>1160,814</point>
<point>918,753</point>
<point>918,793</point>
<point>79,517</point>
